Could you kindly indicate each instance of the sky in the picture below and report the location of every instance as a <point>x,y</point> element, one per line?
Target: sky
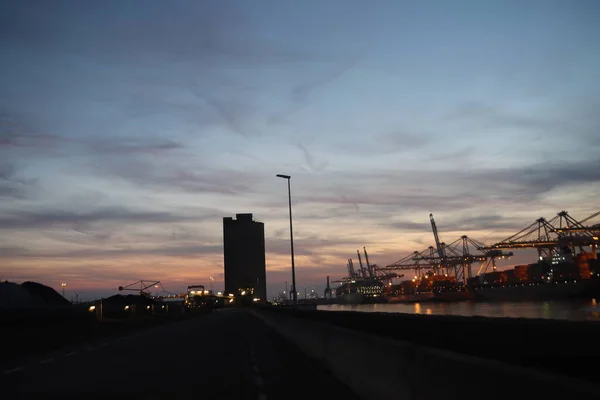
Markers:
<point>128,130</point>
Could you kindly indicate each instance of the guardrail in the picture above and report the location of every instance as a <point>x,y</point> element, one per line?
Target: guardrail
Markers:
<point>376,367</point>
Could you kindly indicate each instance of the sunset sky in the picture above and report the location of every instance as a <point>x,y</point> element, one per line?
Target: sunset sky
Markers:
<point>128,130</point>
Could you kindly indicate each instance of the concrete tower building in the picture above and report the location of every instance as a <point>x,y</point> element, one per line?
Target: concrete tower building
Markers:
<point>244,255</point>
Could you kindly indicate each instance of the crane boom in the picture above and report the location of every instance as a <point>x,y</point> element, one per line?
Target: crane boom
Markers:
<point>438,244</point>
<point>369,267</point>
<point>362,269</point>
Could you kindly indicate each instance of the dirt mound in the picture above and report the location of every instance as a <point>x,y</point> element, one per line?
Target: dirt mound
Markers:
<point>14,295</point>
<point>46,294</point>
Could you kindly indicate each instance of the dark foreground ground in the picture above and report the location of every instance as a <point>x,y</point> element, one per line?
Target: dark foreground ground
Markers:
<point>228,354</point>
<point>563,347</point>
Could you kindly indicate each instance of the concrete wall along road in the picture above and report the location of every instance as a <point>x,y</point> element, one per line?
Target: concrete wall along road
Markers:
<point>375,367</point>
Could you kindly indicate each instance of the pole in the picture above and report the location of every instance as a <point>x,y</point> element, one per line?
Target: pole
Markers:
<point>295,294</point>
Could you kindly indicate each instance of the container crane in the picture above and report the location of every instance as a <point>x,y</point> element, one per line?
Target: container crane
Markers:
<point>369,266</point>
<point>363,272</point>
<point>439,245</point>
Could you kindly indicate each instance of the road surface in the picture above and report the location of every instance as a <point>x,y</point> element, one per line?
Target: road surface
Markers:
<point>229,354</point>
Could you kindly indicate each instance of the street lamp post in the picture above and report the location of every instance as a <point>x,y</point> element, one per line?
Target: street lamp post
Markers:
<point>293,288</point>
<point>63,288</point>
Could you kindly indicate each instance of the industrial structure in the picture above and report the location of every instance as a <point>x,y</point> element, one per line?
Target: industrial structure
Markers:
<point>562,244</point>
<point>244,256</point>
<point>365,284</point>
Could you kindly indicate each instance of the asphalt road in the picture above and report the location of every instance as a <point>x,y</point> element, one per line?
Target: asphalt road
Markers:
<point>229,354</point>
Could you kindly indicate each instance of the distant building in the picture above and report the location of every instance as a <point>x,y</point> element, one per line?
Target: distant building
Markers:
<point>244,256</point>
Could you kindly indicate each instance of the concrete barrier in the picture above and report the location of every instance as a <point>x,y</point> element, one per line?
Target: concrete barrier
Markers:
<point>375,367</point>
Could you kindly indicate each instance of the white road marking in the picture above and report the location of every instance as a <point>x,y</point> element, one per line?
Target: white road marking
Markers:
<point>71,353</point>
<point>49,360</point>
<point>11,371</point>
<point>258,382</point>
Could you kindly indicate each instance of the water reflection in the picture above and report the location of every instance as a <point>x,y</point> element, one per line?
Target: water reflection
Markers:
<point>569,310</point>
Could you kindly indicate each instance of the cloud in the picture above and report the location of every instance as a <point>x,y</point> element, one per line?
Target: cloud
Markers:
<point>489,117</point>
<point>311,244</point>
<point>175,178</point>
<point>405,141</point>
<point>182,251</point>
<point>463,222</point>
<point>329,74</point>
<point>78,220</point>
<point>313,166</point>
<point>15,136</point>
<point>438,189</point>
<point>12,186</point>
<point>130,146</point>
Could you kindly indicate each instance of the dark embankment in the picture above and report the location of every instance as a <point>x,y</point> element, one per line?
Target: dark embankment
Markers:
<point>565,347</point>
<point>36,319</point>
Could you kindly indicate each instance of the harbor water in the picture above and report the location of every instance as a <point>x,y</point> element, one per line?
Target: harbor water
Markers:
<point>570,310</point>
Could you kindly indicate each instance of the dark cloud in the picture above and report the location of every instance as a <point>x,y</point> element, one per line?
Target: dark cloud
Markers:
<point>128,146</point>
<point>577,118</point>
<point>108,31</point>
<point>15,136</point>
<point>409,226</point>
<point>404,141</point>
<point>79,220</point>
<point>96,252</point>
<point>12,251</point>
<point>445,190</point>
<point>175,178</point>
<point>12,186</point>
<point>328,75</point>
<point>489,117</point>
<point>462,224</point>
<point>312,244</point>
<point>313,165</point>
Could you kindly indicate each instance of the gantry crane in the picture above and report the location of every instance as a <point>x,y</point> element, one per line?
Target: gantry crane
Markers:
<point>142,287</point>
<point>371,271</point>
<point>454,259</point>
<point>546,236</point>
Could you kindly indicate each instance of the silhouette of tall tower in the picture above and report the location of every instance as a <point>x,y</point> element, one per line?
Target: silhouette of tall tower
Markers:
<point>244,255</point>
